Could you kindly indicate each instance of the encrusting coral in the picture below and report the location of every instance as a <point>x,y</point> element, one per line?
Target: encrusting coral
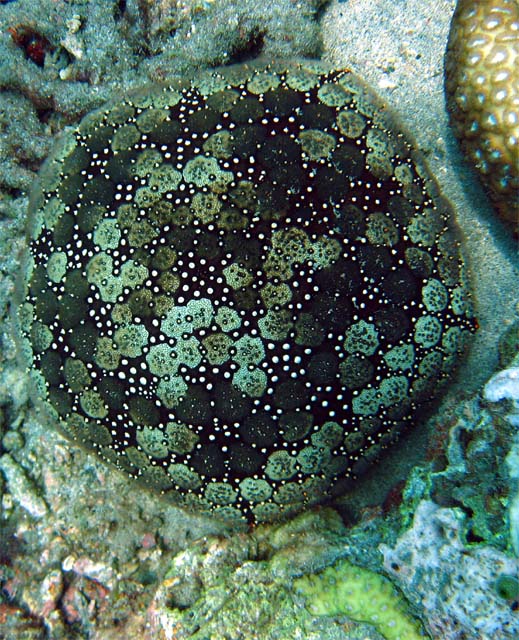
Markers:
<point>362,595</point>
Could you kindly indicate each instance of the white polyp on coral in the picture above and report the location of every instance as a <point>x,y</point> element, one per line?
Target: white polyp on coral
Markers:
<point>512,463</point>
<point>455,583</point>
<point>513,515</point>
<point>505,386</point>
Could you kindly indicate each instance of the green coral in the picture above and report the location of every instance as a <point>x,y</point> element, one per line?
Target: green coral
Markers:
<point>362,595</point>
<point>507,587</point>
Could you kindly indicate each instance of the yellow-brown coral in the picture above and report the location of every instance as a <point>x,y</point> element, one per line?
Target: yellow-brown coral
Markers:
<point>482,88</point>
